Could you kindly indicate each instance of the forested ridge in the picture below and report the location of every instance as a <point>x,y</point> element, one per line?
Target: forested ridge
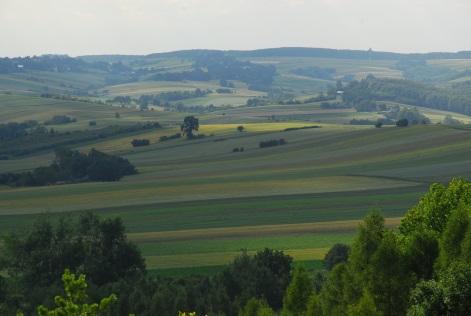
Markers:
<point>420,268</point>
<point>408,92</point>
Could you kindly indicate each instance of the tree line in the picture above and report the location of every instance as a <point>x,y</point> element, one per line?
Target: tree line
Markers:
<point>70,166</point>
<point>218,66</point>
<point>12,130</point>
<point>407,92</point>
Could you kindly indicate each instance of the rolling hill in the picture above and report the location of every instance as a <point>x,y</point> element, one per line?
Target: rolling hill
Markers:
<point>196,203</point>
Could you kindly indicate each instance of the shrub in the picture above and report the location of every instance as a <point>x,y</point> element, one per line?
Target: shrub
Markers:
<point>298,128</point>
<point>402,122</point>
<point>140,142</point>
<point>272,143</point>
<point>60,119</point>
<point>224,91</point>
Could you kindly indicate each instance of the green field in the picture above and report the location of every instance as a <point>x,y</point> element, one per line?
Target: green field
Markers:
<point>196,204</point>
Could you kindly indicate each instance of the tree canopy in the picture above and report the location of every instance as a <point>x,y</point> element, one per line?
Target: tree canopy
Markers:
<point>190,124</point>
<point>73,166</point>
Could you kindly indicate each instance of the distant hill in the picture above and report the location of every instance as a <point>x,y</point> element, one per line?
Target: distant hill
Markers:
<point>288,52</point>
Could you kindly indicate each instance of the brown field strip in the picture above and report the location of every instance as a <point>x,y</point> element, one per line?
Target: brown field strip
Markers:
<point>254,231</point>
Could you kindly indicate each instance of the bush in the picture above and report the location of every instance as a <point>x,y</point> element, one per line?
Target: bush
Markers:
<point>92,123</point>
<point>272,143</point>
<point>224,91</point>
<point>257,102</point>
<point>379,122</point>
<point>402,123</point>
<point>238,149</point>
<point>140,142</point>
<point>298,128</point>
<point>60,119</point>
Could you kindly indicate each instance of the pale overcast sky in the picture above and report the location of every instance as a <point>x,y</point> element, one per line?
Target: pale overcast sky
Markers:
<point>78,27</point>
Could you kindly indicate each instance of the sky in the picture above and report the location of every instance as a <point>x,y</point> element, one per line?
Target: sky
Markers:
<point>85,27</point>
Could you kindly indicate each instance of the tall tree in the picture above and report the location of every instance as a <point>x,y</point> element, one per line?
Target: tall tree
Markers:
<point>190,124</point>
<point>298,293</point>
<point>391,279</point>
<point>453,235</point>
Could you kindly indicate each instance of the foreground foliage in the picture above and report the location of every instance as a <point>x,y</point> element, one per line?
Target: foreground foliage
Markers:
<point>74,302</point>
<point>421,268</point>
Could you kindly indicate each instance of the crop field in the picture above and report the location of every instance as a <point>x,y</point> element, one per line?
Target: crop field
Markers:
<point>437,116</point>
<point>166,64</point>
<point>457,64</point>
<point>301,85</point>
<point>200,209</point>
<point>183,249</point>
<point>48,82</point>
<point>196,204</point>
<point>288,113</point>
<point>18,108</point>
<point>358,68</point>
<point>156,87</point>
<point>239,96</point>
<point>220,99</point>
